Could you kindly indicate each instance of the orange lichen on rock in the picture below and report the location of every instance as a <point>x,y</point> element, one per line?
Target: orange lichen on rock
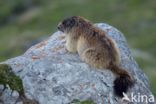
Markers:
<point>41,55</point>
<point>35,57</point>
<point>57,48</point>
<point>41,44</point>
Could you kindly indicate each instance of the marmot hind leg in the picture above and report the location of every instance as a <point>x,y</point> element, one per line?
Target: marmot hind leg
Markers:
<point>95,58</point>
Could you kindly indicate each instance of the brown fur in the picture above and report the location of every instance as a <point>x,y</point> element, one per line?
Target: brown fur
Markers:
<point>95,48</point>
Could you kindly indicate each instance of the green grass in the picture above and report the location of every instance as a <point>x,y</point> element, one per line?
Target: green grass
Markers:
<point>135,18</point>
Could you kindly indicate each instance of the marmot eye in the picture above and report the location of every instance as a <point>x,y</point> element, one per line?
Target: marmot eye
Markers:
<point>63,22</point>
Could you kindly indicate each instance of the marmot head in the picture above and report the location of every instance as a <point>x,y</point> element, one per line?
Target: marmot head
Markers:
<point>73,24</point>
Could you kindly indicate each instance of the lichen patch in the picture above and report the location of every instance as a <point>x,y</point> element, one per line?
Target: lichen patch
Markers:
<point>41,44</point>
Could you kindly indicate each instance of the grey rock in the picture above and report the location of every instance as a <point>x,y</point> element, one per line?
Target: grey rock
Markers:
<point>52,75</point>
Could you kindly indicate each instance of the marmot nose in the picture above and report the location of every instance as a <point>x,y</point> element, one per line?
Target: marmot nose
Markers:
<point>59,26</point>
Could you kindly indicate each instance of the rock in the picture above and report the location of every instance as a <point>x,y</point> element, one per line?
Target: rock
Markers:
<point>52,75</point>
